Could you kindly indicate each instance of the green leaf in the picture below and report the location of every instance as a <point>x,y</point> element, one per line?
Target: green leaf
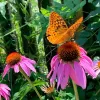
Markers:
<point>81,41</point>
<point>44,23</point>
<point>69,3</point>
<point>70,94</point>
<point>90,1</point>
<point>22,92</point>
<point>93,26</point>
<point>96,3</point>
<point>2,8</point>
<point>77,7</point>
<point>38,82</point>
<point>93,14</point>
<point>45,12</point>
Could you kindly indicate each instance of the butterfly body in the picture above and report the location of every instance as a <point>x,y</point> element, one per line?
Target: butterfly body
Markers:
<point>58,31</point>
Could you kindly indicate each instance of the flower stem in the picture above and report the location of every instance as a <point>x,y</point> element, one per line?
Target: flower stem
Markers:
<point>35,89</point>
<point>75,90</point>
<point>53,97</point>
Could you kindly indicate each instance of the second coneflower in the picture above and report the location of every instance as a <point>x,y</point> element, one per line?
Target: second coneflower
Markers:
<point>72,62</point>
<point>15,60</point>
<point>96,66</point>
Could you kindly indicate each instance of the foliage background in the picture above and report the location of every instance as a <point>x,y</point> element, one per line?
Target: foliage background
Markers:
<point>26,21</point>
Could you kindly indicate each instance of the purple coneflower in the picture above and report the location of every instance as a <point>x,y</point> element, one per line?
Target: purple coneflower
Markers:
<point>96,66</point>
<point>72,62</point>
<point>15,60</point>
<point>4,91</point>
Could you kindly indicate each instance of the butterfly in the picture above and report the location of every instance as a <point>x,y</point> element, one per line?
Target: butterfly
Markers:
<point>58,31</point>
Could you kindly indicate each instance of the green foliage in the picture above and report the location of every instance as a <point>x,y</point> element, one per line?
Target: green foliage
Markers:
<point>22,93</point>
<point>37,22</point>
<point>2,8</point>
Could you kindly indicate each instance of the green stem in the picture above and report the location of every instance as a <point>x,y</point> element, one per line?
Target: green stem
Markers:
<point>75,90</point>
<point>35,89</point>
<point>18,33</point>
<point>53,97</point>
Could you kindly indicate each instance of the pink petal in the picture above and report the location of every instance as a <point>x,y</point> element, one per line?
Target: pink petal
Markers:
<point>54,72</point>
<point>6,69</point>
<point>80,75</point>
<point>73,74</point>
<point>25,68</point>
<point>65,77</point>
<point>87,68</point>
<point>82,51</point>
<point>5,86</point>
<point>49,73</point>
<point>29,65</point>
<point>4,95</point>
<point>53,60</point>
<point>88,60</point>
<point>6,91</point>
<point>60,74</point>
<point>29,60</point>
<point>16,68</point>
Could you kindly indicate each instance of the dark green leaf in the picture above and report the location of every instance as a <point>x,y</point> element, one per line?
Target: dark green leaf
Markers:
<point>2,8</point>
<point>90,1</point>
<point>93,13</point>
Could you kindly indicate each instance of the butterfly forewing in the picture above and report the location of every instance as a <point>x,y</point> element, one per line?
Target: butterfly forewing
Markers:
<point>57,21</point>
<point>72,29</point>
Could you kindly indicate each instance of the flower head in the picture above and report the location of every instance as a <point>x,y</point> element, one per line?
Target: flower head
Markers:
<point>96,66</point>
<point>16,60</point>
<point>48,89</point>
<point>4,91</point>
<point>71,62</point>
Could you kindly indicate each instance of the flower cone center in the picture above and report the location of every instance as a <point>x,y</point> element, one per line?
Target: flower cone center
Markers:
<point>69,51</point>
<point>13,58</point>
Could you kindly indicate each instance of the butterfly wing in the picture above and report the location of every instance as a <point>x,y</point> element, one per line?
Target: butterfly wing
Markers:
<point>71,30</point>
<point>56,28</point>
<point>58,32</point>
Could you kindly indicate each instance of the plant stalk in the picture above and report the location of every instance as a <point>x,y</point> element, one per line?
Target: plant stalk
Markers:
<point>26,77</point>
<point>75,90</point>
<point>19,37</point>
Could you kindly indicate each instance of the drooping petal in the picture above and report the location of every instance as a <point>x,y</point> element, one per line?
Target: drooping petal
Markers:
<point>72,74</point>
<point>53,60</point>
<point>87,59</point>
<point>80,75</point>
<point>30,66</point>
<point>56,63</point>
<point>87,68</point>
<point>16,68</point>
<point>6,91</point>
<point>25,68</point>
<point>49,73</point>
<point>60,74</point>
<point>53,77</point>
<point>82,51</point>
<point>5,86</point>
<point>65,77</point>
<point>4,95</point>
<point>29,60</point>
<point>6,69</point>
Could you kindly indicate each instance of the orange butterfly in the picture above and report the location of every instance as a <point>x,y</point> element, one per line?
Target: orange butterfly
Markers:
<point>58,31</point>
